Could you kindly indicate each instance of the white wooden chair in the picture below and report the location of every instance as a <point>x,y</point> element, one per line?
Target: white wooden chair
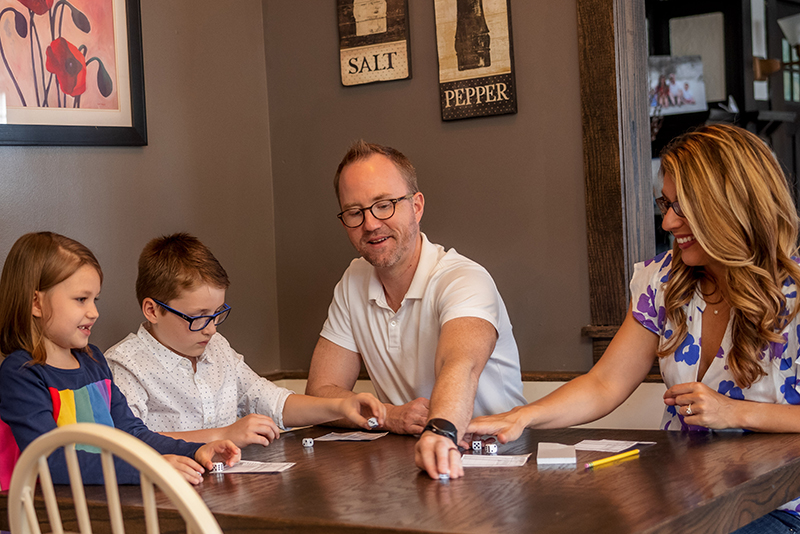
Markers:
<point>154,470</point>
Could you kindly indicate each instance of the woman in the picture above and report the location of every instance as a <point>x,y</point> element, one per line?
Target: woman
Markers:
<point>719,310</point>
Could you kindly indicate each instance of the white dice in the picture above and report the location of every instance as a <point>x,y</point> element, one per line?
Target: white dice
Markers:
<point>308,442</point>
<point>372,422</point>
<point>490,448</point>
<point>218,467</point>
<point>477,446</point>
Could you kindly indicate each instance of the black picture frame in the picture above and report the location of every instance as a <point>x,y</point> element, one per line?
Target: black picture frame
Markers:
<point>58,135</point>
<point>476,77</point>
<point>381,54</point>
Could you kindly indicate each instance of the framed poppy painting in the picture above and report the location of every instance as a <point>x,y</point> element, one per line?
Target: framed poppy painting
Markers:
<point>71,73</point>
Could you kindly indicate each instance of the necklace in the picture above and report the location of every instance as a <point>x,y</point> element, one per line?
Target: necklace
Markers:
<point>721,301</point>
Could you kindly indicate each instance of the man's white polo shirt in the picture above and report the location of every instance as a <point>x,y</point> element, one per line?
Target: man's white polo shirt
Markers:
<point>398,349</point>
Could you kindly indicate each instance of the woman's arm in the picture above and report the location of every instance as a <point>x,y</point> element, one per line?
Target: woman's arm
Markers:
<point>714,410</point>
<point>623,366</point>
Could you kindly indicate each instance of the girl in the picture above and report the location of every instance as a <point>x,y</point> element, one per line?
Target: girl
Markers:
<point>51,376</point>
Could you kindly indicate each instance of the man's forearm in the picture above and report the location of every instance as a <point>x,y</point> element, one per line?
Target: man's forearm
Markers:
<point>453,395</point>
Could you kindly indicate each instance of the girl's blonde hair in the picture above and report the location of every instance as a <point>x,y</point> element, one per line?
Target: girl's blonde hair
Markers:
<point>36,262</point>
<point>736,199</point>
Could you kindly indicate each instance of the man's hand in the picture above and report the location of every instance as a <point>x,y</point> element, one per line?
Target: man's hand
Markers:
<point>252,428</point>
<point>409,418</point>
<point>436,455</point>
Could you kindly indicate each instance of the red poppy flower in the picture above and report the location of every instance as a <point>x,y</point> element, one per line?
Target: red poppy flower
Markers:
<point>40,7</point>
<point>69,66</point>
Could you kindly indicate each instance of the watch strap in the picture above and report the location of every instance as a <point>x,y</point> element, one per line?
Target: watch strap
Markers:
<point>443,427</point>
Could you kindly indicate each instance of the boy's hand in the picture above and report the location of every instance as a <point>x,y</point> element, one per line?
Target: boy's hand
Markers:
<point>187,467</point>
<point>252,428</point>
<point>218,451</point>
<point>353,407</point>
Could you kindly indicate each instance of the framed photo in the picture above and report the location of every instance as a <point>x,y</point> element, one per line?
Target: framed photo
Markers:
<point>476,58</point>
<point>72,73</point>
<point>676,85</point>
<point>373,41</point>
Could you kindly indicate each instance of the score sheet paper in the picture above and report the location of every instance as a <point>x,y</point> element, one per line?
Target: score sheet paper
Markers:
<point>491,460</point>
<point>609,445</point>
<point>351,436</point>
<point>249,466</point>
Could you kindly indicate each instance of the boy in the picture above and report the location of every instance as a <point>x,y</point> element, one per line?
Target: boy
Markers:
<point>183,379</point>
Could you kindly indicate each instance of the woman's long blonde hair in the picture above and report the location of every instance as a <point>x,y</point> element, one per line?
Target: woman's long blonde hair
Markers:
<point>36,262</point>
<point>736,199</point>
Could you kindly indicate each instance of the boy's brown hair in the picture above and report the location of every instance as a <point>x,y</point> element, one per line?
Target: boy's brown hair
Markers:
<point>171,264</point>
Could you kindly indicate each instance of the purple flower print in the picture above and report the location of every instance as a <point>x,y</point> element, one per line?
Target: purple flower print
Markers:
<point>666,261</point>
<point>688,352</point>
<point>789,390</point>
<point>776,350</point>
<point>720,353</point>
<point>728,387</point>
<point>786,363</point>
<point>656,259</point>
<point>646,313</point>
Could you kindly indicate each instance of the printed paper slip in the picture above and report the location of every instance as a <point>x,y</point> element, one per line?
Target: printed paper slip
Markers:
<point>506,460</point>
<point>351,436</point>
<point>248,466</point>
<point>608,445</point>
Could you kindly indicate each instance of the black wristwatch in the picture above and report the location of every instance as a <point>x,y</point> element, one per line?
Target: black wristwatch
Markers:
<point>443,427</point>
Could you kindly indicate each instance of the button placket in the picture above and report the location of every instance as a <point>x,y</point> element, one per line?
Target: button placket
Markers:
<point>394,331</point>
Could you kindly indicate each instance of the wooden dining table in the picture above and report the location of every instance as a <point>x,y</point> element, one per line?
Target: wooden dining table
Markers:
<point>687,482</point>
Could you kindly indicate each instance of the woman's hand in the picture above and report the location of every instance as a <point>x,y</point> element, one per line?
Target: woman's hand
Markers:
<point>700,405</point>
<point>507,426</point>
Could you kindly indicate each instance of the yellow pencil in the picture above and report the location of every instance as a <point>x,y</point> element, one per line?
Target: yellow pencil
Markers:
<point>621,456</point>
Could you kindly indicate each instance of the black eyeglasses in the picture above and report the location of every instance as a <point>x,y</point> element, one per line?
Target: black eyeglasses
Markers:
<point>664,205</point>
<point>381,210</point>
<point>199,322</point>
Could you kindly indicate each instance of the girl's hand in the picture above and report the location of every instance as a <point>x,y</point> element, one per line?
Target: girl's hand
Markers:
<point>506,426</point>
<point>187,467</point>
<point>218,451</point>
<point>700,405</point>
<point>352,408</point>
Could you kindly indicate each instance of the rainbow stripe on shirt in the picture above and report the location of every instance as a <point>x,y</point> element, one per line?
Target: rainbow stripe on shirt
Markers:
<point>89,404</point>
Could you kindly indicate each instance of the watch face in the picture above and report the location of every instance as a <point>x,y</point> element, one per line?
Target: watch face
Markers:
<point>442,424</point>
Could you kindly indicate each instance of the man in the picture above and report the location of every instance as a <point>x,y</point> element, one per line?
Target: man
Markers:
<point>427,323</point>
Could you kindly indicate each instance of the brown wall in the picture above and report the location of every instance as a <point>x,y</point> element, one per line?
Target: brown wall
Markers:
<point>229,139</point>
<point>206,170</point>
<point>505,191</point>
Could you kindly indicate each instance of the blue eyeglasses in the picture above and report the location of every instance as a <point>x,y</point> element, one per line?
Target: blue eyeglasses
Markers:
<point>199,322</point>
